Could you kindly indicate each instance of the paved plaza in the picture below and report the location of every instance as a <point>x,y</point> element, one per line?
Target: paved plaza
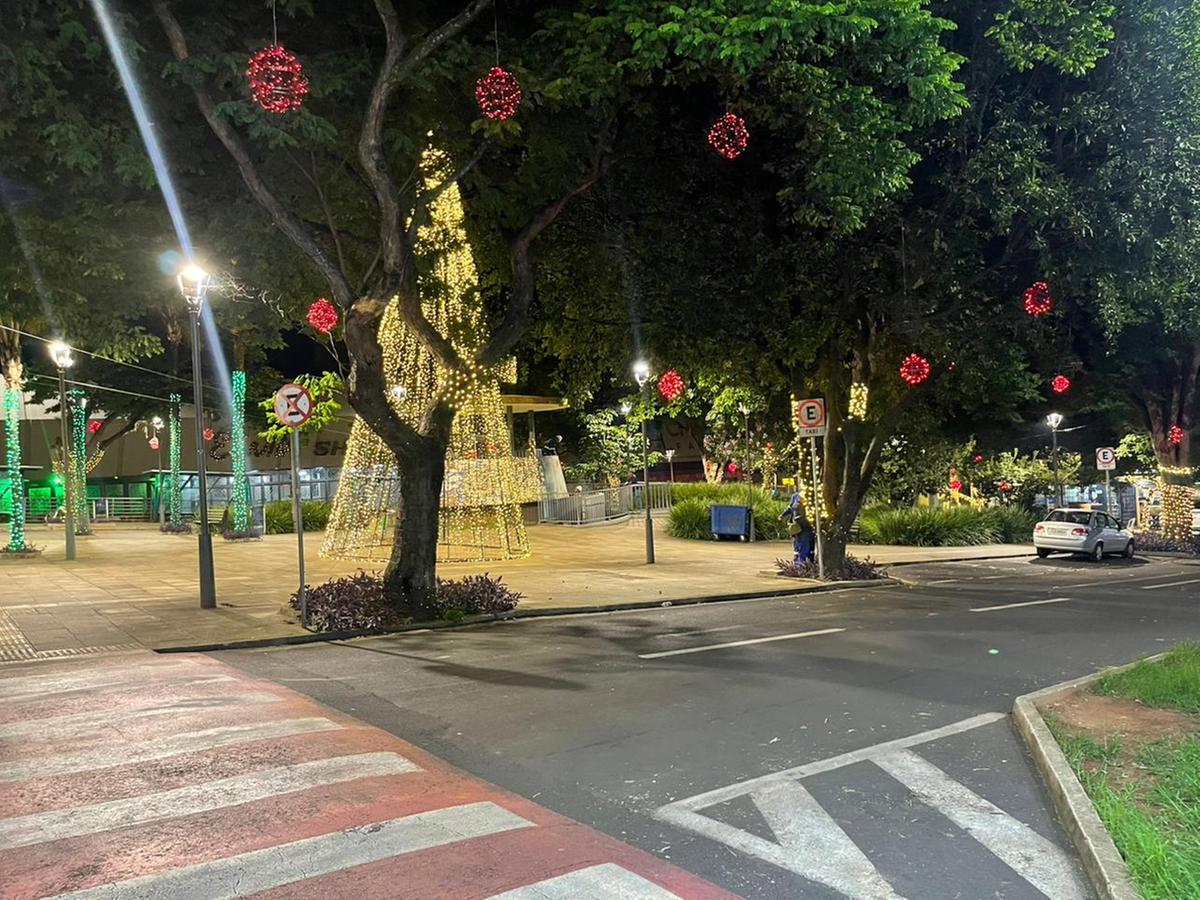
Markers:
<point>132,586</point>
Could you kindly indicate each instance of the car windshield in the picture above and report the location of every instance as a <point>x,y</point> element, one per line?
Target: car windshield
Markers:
<point>1074,516</point>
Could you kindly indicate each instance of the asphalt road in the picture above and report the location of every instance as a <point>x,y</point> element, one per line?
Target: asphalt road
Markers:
<point>861,750</point>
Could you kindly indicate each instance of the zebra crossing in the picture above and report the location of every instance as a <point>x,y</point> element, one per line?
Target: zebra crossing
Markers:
<point>139,776</point>
<point>805,838</point>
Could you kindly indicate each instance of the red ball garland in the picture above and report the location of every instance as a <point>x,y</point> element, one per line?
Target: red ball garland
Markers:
<point>94,426</point>
<point>1061,384</point>
<point>498,93</point>
<point>154,443</point>
<point>729,135</point>
<point>1175,434</point>
<point>322,316</point>
<point>956,485</point>
<point>914,369</point>
<point>977,458</point>
<point>1038,301</point>
<point>670,385</point>
<point>277,80</point>
<point>1005,487</point>
<point>208,434</point>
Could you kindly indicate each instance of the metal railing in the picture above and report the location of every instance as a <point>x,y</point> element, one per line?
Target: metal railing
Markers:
<point>590,507</point>
<point>120,507</point>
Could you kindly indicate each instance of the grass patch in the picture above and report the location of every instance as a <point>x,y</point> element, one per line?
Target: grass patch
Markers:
<point>1148,793</point>
<point>1173,681</point>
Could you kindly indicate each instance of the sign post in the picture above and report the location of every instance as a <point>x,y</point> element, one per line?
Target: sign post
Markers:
<point>811,423</point>
<point>1106,461</point>
<point>293,407</point>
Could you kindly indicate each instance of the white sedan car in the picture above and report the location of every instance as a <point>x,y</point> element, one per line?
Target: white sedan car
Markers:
<point>1090,532</point>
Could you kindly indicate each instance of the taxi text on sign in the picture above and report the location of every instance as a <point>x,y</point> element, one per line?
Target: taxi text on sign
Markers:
<point>1106,459</point>
<point>810,417</point>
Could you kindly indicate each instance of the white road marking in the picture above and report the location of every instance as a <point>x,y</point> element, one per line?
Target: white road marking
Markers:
<point>57,824</point>
<point>1155,587</point>
<point>762,640</point>
<point>1016,605</point>
<point>1039,861</point>
<point>35,685</point>
<point>114,687</point>
<point>272,867</point>
<point>117,753</point>
<point>944,581</point>
<point>78,724</point>
<point>607,880</point>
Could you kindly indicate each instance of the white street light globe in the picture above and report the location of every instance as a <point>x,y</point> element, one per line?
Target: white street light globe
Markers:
<point>194,283</point>
<point>1054,420</point>
<point>625,409</point>
<point>641,372</point>
<point>156,423</point>
<point>61,354</point>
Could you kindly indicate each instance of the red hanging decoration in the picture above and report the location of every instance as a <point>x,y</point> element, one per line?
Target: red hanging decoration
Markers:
<point>498,93</point>
<point>154,443</point>
<point>729,135</point>
<point>94,426</point>
<point>1061,384</point>
<point>1005,487</point>
<point>277,80</point>
<point>914,369</point>
<point>977,458</point>
<point>1175,434</point>
<point>733,468</point>
<point>322,316</point>
<point>1038,301</point>
<point>670,385</point>
<point>208,434</point>
<point>956,485</point>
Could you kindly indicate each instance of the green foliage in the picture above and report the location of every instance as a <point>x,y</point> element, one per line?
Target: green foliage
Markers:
<point>945,526</point>
<point>690,517</point>
<point>1071,36</point>
<point>278,514</point>
<point>1137,447</point>
<point>324,388</point>
<point>1028,474</point>
<point>1173,681</point>
<point>609,450</point>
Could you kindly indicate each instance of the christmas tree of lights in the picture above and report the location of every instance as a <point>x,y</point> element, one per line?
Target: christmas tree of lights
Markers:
<point>484,483</point>
<point>12,448</point>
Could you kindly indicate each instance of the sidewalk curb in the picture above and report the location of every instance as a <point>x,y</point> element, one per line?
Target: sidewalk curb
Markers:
<point>489,619</point>
<point>1103,864</point>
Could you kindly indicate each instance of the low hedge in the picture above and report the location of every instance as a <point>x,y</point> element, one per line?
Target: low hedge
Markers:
<point>690,517</point>
<point>278,515</point>
<point>953,526</point>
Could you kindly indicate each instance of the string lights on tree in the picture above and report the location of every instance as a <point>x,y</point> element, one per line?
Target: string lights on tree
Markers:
<point>78,467</point>
<point>12,459</point>
<point>729,135</point>
<point>240,502</point>
<point>277,80</point>
<point>322,316</point>
<point>1038,300</point>
<point>670,385</point>
<point>914,369</point>
<point>857,408</point>
<point>498,93</point>
<point>175,487</point>
<point>1061,384</point>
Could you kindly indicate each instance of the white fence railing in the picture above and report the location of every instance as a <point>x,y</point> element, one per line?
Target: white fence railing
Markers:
<point>589,507</point>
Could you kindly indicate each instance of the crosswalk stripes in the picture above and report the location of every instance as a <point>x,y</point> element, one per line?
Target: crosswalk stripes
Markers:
<point>137,778</point>
<point>810,843</point>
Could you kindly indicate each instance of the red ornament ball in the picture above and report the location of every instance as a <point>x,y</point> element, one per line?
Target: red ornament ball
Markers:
<point>956,485</point>
<point>1005,487</point>
<point>277,80</point>
<point>154,443</point>
<point>1175,434</point>
<point>670,385</point>
<point>914,369</point>
<point>977,458</point>
<point>733,468</point>
<point>1038,301</point>
<point>322,316</point>
<point>94,426</point>
<point>208,434</point>
<point>498,93</point>
<point>729,135</point>
<point>1061,384</point>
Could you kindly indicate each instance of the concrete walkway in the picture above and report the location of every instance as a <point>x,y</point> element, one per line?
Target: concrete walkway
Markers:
<point>131,586</point>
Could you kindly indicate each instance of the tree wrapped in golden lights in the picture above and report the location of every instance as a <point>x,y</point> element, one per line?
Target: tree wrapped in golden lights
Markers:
<point>483,485</point>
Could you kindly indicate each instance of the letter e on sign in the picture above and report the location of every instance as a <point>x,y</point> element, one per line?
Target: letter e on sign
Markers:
<point>810,417</point>
<point>1106,459</point>
<point>293,405</point>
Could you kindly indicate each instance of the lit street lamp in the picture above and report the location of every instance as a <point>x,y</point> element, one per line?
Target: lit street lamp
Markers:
<point>157,424</point>
<point>60,353</point>
<point>194,283</point>
<point>1054,420</point>
<point>641,374</point>
<point>671,463</point>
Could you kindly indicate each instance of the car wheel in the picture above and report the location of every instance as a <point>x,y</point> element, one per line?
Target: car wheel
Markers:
<point>1098,552</point>
<point>1043,552</point>
<point>1129,550</point>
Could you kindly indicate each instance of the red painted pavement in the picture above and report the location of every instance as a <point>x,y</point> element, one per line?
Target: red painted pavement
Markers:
<point>475,867</point>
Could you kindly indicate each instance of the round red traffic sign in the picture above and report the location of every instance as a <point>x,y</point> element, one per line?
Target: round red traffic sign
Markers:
<point>293,405</point>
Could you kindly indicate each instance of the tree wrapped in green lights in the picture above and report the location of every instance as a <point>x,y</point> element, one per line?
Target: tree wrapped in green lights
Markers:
<point>12,428</point>
<point>174,498</point>
<point>240,501</point>
<point>77,461</point>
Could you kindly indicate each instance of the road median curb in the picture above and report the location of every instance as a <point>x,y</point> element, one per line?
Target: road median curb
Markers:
<point>330,636</point>
<point>1103,864</point>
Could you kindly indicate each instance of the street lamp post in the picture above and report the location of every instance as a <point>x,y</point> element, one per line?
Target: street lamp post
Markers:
<point>193,284</point>
<point>61,354</point>
<point>157,424</point>
<point>745,410</point>
<point>1054,420</point>
<point>671,462</point>
<point>641,374</point>
<point>626,409</point>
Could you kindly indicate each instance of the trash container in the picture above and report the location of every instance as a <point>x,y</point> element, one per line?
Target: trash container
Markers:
<point>730,522</point>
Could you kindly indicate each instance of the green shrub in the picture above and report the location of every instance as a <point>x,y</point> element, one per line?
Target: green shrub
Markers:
<point>690,519</point>
<point>956,526</point>
<point>1013,524</point>
<point>278,514</point>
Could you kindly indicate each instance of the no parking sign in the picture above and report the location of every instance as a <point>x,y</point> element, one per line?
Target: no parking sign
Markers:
<point>1106,459</point>
<point>810,417</point>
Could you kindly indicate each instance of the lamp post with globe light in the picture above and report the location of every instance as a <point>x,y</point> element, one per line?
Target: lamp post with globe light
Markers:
<point>1054,420</point>
<point>60,353</point>
<point>194,283</point>
<point>641,374</point>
